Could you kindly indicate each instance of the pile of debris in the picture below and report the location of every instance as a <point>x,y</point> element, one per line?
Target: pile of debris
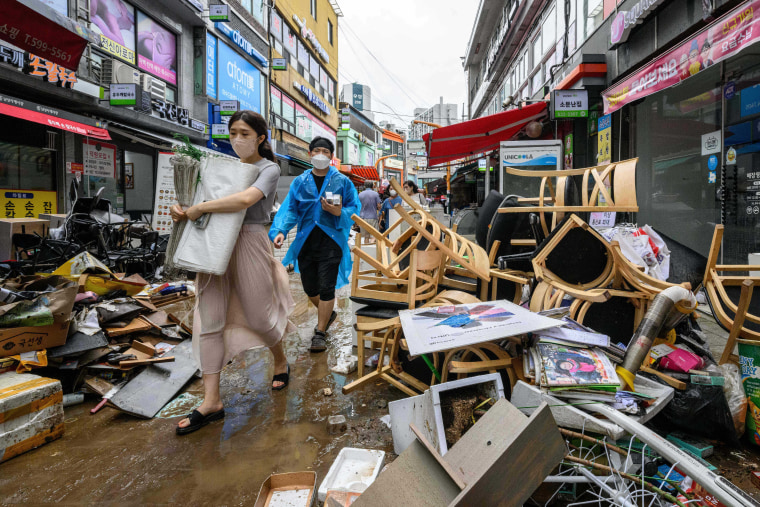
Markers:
<point>92,332</point>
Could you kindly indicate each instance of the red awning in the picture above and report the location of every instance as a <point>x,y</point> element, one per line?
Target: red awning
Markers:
<point>367,172</point>
<point>40,29</point>
<point>53,121</point>
<point>478,136</point>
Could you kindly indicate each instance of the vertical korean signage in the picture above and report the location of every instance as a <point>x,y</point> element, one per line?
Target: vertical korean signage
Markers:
<point>165,196</point>
<point>604,140</point>
<point>358,96</point>
<point>156,49</point>
<point>99,159</point>
<point>114,21</point>
<point>211,43</point>
<point>722,39</point>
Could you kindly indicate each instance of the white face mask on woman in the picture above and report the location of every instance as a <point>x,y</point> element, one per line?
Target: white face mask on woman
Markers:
<point>393,193</point>
<point>244,148</point>
<point>320,162</point>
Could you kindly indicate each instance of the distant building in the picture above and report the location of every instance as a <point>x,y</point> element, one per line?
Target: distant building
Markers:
<point>359,96</point>
<point>440,114</point>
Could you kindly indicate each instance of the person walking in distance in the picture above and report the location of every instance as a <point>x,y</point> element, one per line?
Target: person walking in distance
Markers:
<point>320,202</point>
<point>371,203</point>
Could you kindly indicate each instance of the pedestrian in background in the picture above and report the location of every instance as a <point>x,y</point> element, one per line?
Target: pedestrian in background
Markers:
<point>371,203</point>
<point>389,203</point>
<point>320,252</point>
<point>412,191</point>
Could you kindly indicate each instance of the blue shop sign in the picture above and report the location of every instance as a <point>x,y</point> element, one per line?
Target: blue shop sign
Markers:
<point>211,65</point>
<point>750,100</point>
<point>238,79</point>
<point>313,97</point>
<point>242,43</point>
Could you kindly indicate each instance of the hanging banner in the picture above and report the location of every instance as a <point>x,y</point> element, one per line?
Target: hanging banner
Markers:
<point>724,38</point>
<point>603,142</point>
<point>165,197</point>
<point>99,159</point>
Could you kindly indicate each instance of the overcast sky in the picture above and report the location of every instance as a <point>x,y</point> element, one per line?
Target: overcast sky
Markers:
<point>419,41</point>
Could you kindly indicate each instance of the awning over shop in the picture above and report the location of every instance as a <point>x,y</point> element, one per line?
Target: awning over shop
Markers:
<point>479,135</point>
<point>50,117</point>
<point>45,32</point>
<point>721,39</point>
<point>366,172</point>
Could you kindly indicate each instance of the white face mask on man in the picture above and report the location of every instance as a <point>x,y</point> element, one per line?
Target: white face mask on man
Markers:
<point>320,161</point>
<point>244,148</point>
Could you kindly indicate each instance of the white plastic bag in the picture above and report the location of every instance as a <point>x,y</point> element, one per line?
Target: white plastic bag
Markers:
<point>735,397</point>
<point>209,250</point>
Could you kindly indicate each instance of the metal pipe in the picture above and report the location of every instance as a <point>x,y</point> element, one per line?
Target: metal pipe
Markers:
<point>668,306</point>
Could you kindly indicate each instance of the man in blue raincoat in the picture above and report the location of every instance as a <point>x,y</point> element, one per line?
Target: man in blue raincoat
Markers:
<point>321,202</point>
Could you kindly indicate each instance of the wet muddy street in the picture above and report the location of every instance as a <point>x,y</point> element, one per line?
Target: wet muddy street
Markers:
<point>111,457</point>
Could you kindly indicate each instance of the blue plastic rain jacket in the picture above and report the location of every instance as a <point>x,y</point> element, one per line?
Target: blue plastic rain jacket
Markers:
<point>302,207</point>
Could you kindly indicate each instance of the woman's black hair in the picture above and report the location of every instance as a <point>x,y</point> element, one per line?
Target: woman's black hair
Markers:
<point>412,184</point>
<point>259,125</point>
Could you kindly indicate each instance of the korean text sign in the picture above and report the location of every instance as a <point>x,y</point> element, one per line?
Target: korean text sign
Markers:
<point>28,203</point>
<point>114,20</point>
<point>722,39</point>
<point>99,159</point>
<point>156,49</point>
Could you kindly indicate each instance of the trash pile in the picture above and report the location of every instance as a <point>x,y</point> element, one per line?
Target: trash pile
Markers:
<point>634,395</point>
<point>93,333</point>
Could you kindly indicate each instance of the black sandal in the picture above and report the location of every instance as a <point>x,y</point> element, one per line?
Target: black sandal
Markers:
<point>281,377</point>
<point>333,316</point>
<point>198,421</point>
<point>318,342</point>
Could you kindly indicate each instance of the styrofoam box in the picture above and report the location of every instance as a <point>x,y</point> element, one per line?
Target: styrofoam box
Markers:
<point>353,470</point>
<point>492,386</point>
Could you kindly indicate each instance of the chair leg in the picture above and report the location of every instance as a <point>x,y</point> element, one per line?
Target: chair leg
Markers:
<point>741,313</point>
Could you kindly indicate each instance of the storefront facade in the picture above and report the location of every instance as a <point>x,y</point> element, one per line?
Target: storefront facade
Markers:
<point>670,82</point>
<point>393,144</point>
<point>103,123</point>
<point>303,88</point>
<point>356,138</point>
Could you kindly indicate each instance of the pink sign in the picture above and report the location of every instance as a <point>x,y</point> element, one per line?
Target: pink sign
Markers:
<point>722,39</point>
<point>156,49</point>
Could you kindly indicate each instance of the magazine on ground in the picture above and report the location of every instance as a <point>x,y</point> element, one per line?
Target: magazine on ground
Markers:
<point>563,366</point>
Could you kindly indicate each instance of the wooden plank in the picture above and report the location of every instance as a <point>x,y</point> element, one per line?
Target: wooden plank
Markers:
<point>455,476</point>
<point>145,348</point>
<point>741,315</point>
<point>136,326</point>
<point>503,464</point>
<point>155,386</point>
<point>676,384</point>
<point>144,362</point>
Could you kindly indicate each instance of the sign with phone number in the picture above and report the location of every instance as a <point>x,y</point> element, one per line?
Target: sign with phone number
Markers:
<point>58,43</point>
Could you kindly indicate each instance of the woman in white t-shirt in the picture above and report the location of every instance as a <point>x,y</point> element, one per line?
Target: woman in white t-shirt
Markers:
<point>411,190</point>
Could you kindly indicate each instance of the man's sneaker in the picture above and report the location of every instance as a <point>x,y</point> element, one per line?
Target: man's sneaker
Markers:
<point>318,342</point>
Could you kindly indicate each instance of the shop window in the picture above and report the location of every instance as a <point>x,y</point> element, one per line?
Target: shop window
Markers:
<point>549,30</point>
<point>537,51</point>
<point>26,168</point>
<point>593,16</point>
<point>278,46</point>
<point>673,185</point>
<point>171,94</point>
<point>330,32</point>
<point>246,5</point>
<point>313,6</point>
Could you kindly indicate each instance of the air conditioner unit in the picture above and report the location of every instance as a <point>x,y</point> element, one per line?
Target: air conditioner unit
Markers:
<point>158,89</point>
<point>115,71</point>
<point>146,82</point>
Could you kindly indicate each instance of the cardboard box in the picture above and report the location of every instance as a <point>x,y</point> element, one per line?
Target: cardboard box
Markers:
<point>288,490</point>
<point>11,226</point>
<point>31,413</point>
<point>15,340</point>
<point>56,219</point>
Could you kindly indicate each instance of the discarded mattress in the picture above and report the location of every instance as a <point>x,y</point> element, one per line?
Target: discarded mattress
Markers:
<point>31,413</point>
<point>208,250</point>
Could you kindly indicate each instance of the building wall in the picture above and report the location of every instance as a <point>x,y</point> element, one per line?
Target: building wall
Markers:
<point>319,26</point>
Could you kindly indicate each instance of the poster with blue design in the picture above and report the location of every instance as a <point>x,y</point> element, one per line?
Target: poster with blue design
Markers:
<point>516,156</point>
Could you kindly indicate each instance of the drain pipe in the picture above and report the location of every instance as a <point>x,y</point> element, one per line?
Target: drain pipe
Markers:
<point>668,308</point>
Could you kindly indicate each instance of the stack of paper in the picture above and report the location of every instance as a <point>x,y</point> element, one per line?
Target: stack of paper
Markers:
<point>563,366</point>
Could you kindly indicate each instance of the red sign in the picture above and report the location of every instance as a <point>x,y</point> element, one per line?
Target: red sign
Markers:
<point>28,29</point>
<point>75,167</point>
<point>52,121</point>
<point>720,40</point>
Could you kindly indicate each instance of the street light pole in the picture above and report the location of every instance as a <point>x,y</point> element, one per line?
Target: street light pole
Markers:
<point>377,168</point>
<point>448,166</point>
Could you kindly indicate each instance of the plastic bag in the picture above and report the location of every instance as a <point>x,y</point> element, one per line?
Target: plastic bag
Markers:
<point>737,401</point>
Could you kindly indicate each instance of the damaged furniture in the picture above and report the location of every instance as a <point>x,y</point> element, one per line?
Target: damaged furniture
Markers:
<point>492,464</point>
